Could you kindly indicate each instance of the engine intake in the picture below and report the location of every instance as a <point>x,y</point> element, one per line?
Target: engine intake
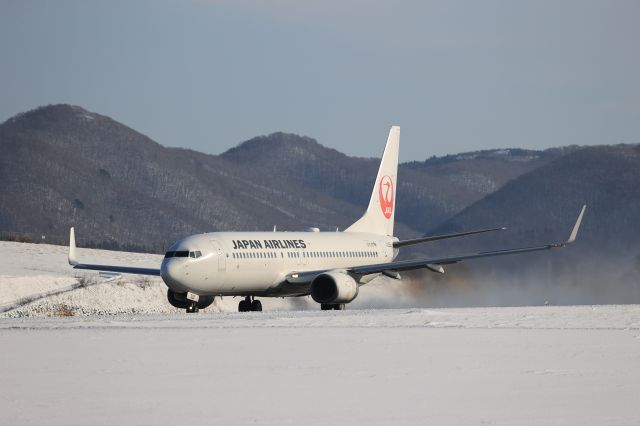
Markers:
<point>334,287</point>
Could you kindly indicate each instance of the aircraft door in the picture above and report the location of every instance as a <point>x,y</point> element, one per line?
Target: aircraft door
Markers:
<point>222,256</point>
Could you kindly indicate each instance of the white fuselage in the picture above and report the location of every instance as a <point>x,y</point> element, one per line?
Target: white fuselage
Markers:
<point>257,263</point>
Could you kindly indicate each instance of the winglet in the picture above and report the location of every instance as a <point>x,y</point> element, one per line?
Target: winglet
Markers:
<point>72,247</point>
<point>574,231</point>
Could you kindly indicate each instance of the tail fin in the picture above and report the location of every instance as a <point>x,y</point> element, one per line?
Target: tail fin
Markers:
<point>378,218</point>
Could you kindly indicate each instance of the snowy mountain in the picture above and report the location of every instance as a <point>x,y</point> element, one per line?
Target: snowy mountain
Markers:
<point>62,165</point>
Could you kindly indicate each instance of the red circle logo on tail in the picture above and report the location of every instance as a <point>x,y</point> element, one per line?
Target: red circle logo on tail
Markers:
<point>385,193</point>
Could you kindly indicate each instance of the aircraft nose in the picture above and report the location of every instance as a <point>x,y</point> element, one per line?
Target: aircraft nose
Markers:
<point>171,273</point>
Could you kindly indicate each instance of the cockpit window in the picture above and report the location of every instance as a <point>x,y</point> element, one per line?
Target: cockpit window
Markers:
<point>195,254</point>
<point>181,253</point>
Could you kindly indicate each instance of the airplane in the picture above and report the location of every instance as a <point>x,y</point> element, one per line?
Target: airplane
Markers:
<point>329,266</point>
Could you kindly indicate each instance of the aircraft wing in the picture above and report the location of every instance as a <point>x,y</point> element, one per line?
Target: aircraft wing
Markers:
<point>433,264</point>
<point>398,244</point>
<point>120,269</point>
<point>73,261</point>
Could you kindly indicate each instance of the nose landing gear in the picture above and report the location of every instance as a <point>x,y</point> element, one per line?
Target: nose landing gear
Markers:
<point>329,307</point>
<point>249,304</point>
<point>192,300</point>
<point>192,308</point>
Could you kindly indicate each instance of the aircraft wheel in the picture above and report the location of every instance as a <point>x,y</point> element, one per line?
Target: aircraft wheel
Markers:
<point>243,306</point>
<point>326,307</point>
<point>256,306</point>
<point>339,307</point>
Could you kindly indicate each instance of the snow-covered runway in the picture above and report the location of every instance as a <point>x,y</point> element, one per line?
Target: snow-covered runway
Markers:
<point>543,365</point>
<point>125,356</point>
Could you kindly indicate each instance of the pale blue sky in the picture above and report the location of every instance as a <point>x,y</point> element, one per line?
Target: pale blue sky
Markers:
<point>456,75</point>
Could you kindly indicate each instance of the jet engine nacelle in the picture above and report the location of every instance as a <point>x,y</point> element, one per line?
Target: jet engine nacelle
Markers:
<point>180,301</point>
<point>334,287</point>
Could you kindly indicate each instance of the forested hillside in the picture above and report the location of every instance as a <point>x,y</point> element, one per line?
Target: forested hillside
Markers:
<point>62,165</point>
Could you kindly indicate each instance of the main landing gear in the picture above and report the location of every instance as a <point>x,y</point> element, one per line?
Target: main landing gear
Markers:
<point>249,304</point>
<point>330,306</point>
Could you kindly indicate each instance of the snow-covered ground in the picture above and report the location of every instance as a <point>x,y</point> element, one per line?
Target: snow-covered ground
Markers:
<point>146,363</point>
